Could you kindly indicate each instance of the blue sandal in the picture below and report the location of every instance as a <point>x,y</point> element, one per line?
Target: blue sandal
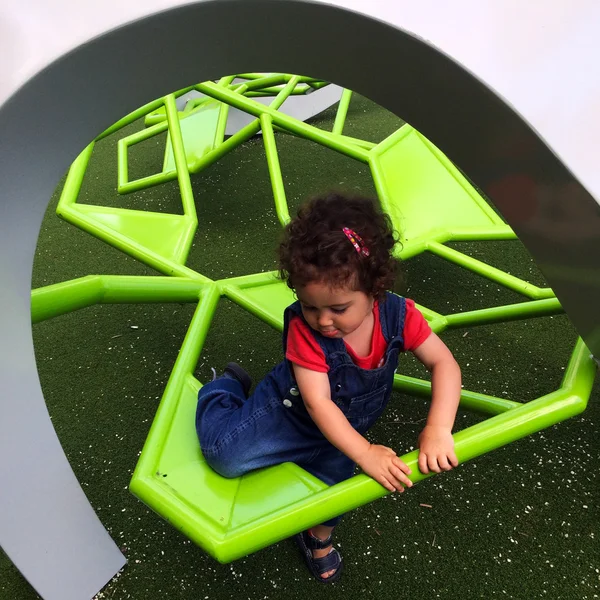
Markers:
<point>317,566</point>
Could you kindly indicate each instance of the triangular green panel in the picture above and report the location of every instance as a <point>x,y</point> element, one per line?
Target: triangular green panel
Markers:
<point>264,492</point>
<point>426,195</point>
<point>198,131</point>
<point>182,469</point>
<point>271,299</point>
<point>215,502</point>
<point>168,235</point>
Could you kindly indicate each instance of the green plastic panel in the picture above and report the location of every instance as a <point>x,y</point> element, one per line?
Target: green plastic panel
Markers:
<point>424,193</point>
<point>166,234</point>
<point>199,134</point>
<point>219,503</point>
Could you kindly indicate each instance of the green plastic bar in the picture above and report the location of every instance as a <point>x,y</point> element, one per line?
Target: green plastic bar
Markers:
<point>61,298</point>
<point>139,113</point>
<point>438,325</point>
<point>238,88</point>
<point>221,125</point>
<point>574,378</point>
<point>250,75</point>
<point>469,443</point>
<point>270,78</point>
<point>223,114</point>
<point>496,233</point>
<point>122,166</point>
<point>428,313</point>
<point>273,90</point>
<point>297,127</point>
<point>72,186</point>
<point>303,78</point>
<point>183,175</point>
<point>227,80</point>
<point>311,80</point>
<point>436,321</point>
<point>283,95</point>
<point>243,134</point>
<point>227,146</point>
<point>270,92</point>
<point>468,400</point>
<point>184,365</point>
<point>535,415</point>
<point>125,186</point>
<point>128,289</point>
<point>259,94</point>
<point>249,281</point>
<point>342,111</point>
<point>317,85</point>
<point>474,441</point>
<point>274,170</point>
<point>193,104</point>
<point>147,133</point>
<point>510,312</point>
<point>364,144</point>
<point>267,82</point>
<point>509,281</point>
<point>144,182</point>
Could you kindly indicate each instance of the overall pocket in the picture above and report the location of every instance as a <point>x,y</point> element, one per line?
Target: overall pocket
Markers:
<point>368,404</point>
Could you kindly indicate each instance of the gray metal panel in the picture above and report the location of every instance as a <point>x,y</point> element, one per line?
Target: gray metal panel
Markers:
<point>46,525</point>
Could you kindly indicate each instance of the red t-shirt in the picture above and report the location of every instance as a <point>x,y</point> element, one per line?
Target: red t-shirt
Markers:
<point>304,350</point>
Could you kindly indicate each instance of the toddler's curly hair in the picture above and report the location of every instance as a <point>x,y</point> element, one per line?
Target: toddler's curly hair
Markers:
<point>315,249</point>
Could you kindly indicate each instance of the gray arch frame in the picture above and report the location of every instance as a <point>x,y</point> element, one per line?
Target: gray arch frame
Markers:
<point>47,527</point>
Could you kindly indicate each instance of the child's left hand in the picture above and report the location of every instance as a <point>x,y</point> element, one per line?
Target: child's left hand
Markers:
<point>436,450</point>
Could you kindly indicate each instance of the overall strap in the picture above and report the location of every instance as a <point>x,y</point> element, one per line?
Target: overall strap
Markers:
<point>392,313</point>
<point>293,310</point>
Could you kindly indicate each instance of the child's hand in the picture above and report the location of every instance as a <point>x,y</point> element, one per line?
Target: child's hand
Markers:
<point>382,464</point>
<point>436,450</point>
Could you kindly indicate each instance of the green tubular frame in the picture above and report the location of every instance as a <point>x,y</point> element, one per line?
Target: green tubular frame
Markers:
<point>432,241</point>
<point>231,518</point>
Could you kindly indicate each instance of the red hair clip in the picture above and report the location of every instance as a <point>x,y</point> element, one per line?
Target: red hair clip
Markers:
<point>356,241</point>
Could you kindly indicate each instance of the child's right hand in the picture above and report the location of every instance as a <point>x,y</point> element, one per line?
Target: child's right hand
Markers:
<point>383,465</point>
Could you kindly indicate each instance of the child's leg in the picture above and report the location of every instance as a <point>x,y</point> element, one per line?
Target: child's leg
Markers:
<point>331,466</point>
<point>238,435</point>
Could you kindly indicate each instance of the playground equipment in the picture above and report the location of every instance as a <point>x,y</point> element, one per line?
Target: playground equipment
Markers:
<point>429,201</point>
<point>72,556</point>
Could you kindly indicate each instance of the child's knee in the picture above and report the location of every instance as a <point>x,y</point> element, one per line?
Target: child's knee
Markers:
<point>226,466</point>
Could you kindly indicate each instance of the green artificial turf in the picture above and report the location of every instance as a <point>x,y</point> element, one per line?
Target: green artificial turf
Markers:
<point>522,522</point>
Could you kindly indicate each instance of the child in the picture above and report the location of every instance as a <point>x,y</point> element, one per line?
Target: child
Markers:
<point>341,341</point>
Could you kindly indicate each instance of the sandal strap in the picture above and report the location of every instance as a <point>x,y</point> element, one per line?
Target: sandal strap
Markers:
<point>315,543</point>
<point>331,562</point>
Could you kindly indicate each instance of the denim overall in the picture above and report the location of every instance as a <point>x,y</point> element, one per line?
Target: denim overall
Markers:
<point>272,426</point>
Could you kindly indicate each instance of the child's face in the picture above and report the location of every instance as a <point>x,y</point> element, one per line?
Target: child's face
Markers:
<point>334,312</point>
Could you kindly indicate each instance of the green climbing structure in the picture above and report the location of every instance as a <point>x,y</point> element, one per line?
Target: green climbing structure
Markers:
<point>429,201</point>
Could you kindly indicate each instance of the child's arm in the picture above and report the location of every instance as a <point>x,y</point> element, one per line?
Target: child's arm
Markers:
<point>379,462</point>
<point>436,445</point>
